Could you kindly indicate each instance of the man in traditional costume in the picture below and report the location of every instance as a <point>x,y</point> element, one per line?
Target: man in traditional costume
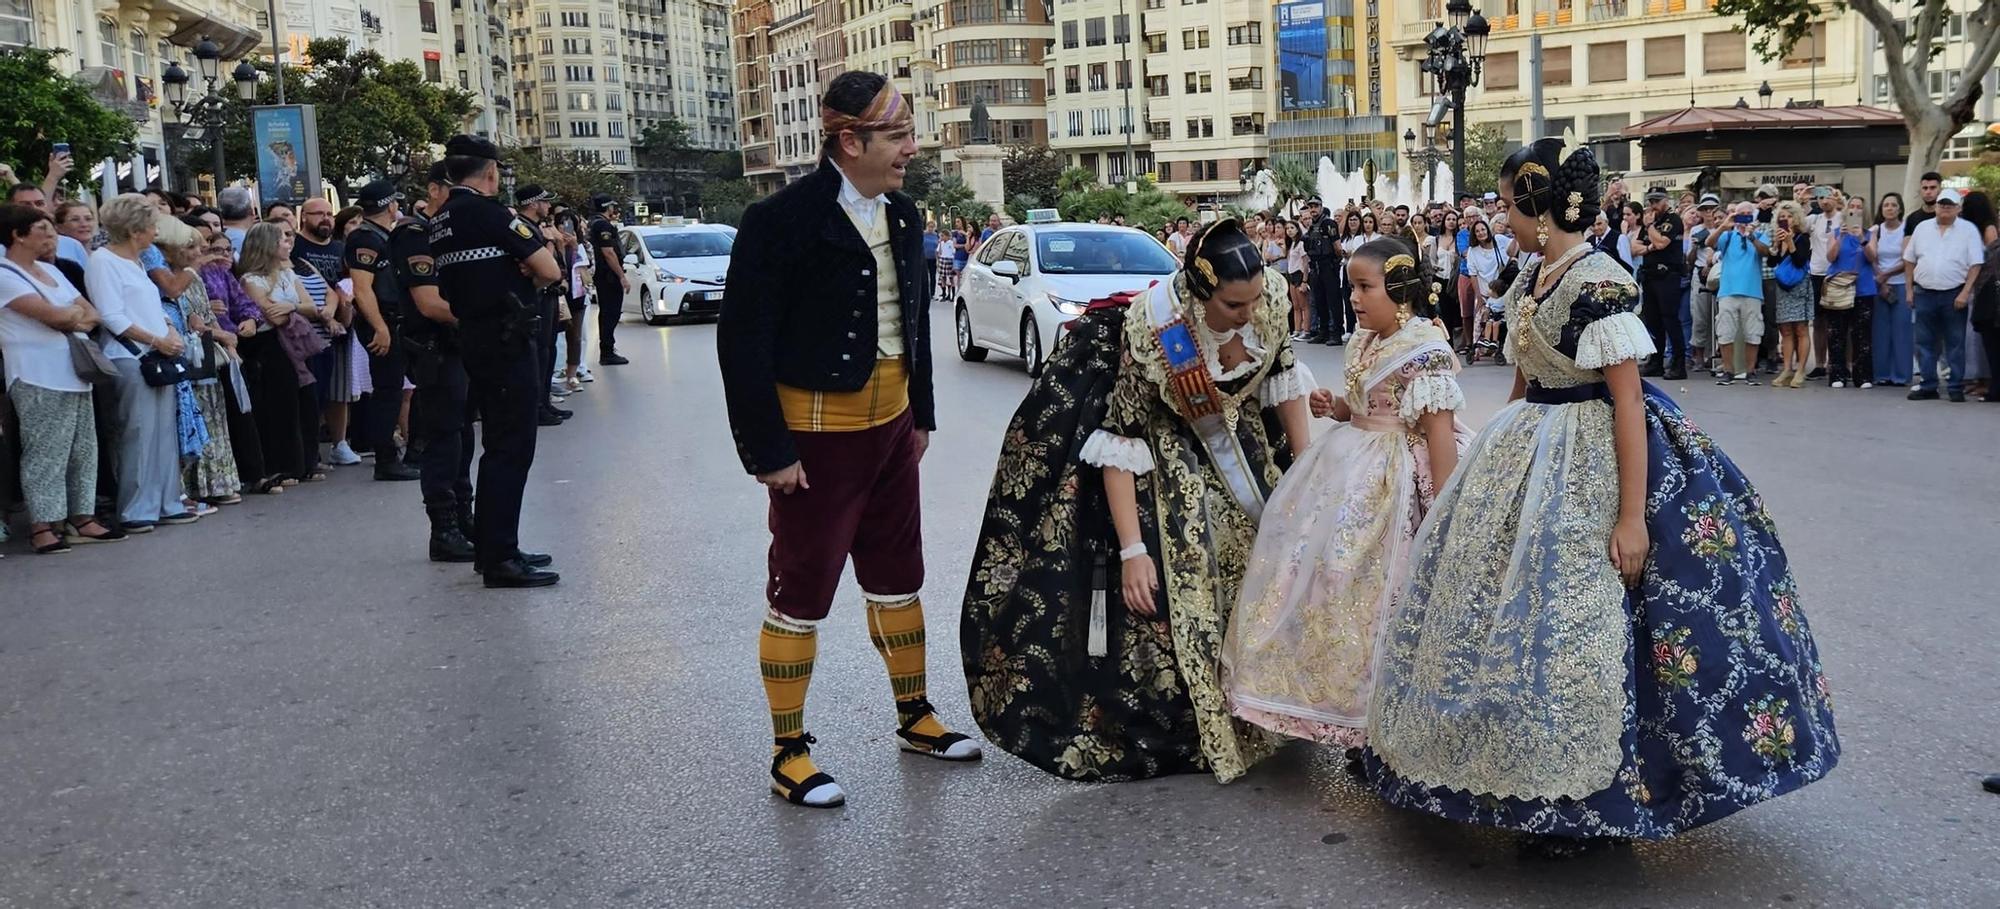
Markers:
<point>826,368</point>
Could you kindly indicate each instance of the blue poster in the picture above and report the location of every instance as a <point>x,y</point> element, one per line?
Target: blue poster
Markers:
<point>287,153</point>
<point>1302,83</point>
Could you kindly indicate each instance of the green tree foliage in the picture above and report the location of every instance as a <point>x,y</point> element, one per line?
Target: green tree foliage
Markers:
<point>668,147</point>
<point>919,178</point>
<point>1032,171</point>
<point>1485,151</point>
<point>1150,208</point>
<point>40,107</point>
<point>572,178</point>
<point>375,116</point>
<point>1912,38</point>
<point>1295,182</point>
<point>723,201</point>
<point>1017,207</point>
<point>951,198</point>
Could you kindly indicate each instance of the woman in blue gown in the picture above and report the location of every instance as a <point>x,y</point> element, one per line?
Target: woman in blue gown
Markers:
<point>1601,639</point>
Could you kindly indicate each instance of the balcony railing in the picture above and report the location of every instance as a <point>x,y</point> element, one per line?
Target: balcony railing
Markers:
<point>1605,10</point>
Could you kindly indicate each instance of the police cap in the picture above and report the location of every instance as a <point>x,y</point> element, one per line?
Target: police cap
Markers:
<point>464,146</point>
<point>375,197</point>
<point>530,194</point>
<point>439,173</point>
<point>601,202</point>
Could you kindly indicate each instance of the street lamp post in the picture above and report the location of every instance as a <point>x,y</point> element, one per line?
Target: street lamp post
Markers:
<point>209,111</point>
<point>1427,156</point>
<point>1457,54</point>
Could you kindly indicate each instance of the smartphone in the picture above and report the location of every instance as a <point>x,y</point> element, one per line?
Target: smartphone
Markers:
<point>62,148</point>
<point>1745,219</point>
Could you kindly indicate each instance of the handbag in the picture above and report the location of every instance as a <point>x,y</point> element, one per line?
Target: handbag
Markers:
<point>1838,294</point>
<point>201,350</point>
<point>157,369</point>
<point>1789,273</point>
<point>86,355</point>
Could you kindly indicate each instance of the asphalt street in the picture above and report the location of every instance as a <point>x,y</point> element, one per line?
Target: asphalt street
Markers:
<point>287,705</point>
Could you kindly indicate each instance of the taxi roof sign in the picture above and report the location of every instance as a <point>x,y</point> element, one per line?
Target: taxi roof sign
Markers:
<point>1043,216</point>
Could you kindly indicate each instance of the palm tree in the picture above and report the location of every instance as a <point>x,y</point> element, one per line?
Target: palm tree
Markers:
<point>1295,181</point>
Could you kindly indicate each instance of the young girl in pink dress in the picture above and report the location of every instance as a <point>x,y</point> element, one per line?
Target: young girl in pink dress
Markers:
<point>1334,544</point>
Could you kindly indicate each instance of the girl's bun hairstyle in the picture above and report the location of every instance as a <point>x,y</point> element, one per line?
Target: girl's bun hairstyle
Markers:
<point>1545,182</point>
<point>1408,283</point>
<point>1219,253</point>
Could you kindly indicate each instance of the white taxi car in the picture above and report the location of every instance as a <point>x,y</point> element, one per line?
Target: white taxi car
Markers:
<point>1025,282</point>
<point>677,272</point>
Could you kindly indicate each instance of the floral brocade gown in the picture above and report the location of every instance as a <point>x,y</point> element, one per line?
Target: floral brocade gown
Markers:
<point>1335,542</point>
<point>1522,686</point>
<point>1059,672</point>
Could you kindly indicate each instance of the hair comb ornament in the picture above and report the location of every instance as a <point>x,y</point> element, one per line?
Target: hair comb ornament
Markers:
<point>1569,146</point>
<point>1574,213</point>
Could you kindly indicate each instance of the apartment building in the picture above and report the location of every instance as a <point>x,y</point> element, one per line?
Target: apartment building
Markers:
<point>795,89</point>
<point>1956,38</point>
<point>570,81</point>
<point>121,48</point>
<point>756,131</point>
<point>995,50</point>
<point>1335,87</point>
<point>1211,95</point>
<point>1096,88</point>
<point>1603,65</point>
<point>880,36</point>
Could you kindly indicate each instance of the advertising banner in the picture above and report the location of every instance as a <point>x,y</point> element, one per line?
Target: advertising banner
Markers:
<point>287,143</point>
<point>1302,81</point>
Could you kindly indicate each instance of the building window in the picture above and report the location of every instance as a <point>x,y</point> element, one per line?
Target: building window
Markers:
<point>1810,50</point>
<point>433,71</point>
<point>1075,123</point>
<point>552,129</point>
<point>582,100</point>
<point>575,19</point>
<point>1156,86</point>
<point>1503,71</point>
<point>1881,89</point>
<point>1555,66</point>
<point>614,101</point>
<point>1124,74</point>
<point>1072,76</point>
<point>1194,38</point>
<point>1666,56</point>
<point>616,129</point>
<point>1100,122</point>
<point>1160,129</point>
<point>1121,29</point>
<point>1249,33</point>
<point>1156,43</point>
<point>548,72</point>
<point>1246,80</point>
<point>549,46</point>
<point>463,80</point>
<point>1246,125</point>
<point>1097,78</point>
<point>583,129</point>
<point>1093,32</point>
<point>1198,84</point>
<point>543,19</point>
<point>1722,52</point>
<point>1049,76</point>
<point>577,73</point>
<point>611,74</point>
<point>1611,155</point>
<point>618,156</point>
<point>142,66</point>
<point>551,100</point>
<point>1069,35</point>
<point>576,45</point>
<point>427,13</point>
<point>1607,62</point>
<point>107,41</point>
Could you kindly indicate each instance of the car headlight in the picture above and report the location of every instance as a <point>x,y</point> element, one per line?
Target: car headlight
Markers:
<point>1068,307</point>
<point>669,277</point>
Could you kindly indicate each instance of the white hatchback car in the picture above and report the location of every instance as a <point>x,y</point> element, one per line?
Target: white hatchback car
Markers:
<point>1026,281</point>
<point>676,272</point>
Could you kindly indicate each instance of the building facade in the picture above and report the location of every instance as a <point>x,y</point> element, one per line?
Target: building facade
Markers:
<point>122,47</point>
<point>1336,83</point>
<point>756,127</point>
<point>1213,65</point>
<point>1956,38</point>
<point>1096,86</point>
<point>991,49</point>
<point>1602,65</point>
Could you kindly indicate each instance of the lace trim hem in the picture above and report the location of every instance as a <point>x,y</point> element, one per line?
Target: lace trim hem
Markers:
<point>1431,394</point>
<point>1105,449</point>
<point>1613,339</point>
<point>1289,385</point>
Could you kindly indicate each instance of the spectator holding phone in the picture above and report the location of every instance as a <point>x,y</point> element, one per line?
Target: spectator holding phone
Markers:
<point>1740,250</point>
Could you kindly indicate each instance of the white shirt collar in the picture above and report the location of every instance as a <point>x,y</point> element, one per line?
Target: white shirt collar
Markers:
<point>863,207</point>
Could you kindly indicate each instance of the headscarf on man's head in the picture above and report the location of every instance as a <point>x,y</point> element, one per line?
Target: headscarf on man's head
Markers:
<point>887,110</point>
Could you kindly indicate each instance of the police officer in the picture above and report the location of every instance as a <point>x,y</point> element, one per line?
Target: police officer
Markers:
<point>1665,263</point>
<point>532,204</point>
<point>379,297</point>
<point>607,277</point>
<point>491,267</point>
<point>440,417</point>
<point>1323,252</point>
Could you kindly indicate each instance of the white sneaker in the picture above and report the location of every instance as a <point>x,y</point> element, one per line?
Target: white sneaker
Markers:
<point>1867,385</point>
<point>583,374</point>
<point>343,455</point>
<point>1839,384</point>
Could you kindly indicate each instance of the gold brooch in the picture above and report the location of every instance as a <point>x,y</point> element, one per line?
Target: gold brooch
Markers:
<point>1575,211</point>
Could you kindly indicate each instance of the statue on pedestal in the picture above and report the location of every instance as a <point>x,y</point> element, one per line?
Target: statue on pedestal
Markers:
<point>982,123</point>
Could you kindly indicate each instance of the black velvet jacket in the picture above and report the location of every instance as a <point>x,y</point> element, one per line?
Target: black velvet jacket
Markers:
<point>800,310</point>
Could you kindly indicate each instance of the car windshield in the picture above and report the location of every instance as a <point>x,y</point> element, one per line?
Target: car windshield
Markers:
<point>688,244</point>
<point>1101,252</point>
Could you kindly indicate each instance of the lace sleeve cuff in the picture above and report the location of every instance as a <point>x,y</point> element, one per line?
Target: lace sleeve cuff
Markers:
<point>1103,449</point>
<point>1292,384</point>
<point>1613,339</point>
<point>1434,393</point>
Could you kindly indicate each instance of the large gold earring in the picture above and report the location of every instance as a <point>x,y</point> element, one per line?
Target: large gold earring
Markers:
<point>1402,314</point>
<point>1542,231</point>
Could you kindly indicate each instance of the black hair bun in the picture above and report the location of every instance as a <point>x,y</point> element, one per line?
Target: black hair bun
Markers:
<point>1579,191</point>
<point>1220,252</point>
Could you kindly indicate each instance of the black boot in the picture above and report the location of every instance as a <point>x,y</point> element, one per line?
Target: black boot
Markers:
<point>1650,368</point>
<point>463,510</point>
<point>448,543</point>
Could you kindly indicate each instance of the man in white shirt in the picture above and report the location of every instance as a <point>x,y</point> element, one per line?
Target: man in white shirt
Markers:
<point>1941,261</point>
<point>1822,225</point>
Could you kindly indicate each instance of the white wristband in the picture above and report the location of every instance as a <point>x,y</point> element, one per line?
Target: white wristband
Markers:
<point>1131,552</point>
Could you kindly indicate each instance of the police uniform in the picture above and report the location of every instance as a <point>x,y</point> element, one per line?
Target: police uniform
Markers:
<point>547,305</point>
<point>368,252</point>
<point>478,248</point>
<point>602,235</point>
<point>440,414</point>
<point>1660,285</point>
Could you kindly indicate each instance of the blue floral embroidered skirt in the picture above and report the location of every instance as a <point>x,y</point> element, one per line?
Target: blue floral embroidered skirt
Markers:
<point>1724,702</point>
